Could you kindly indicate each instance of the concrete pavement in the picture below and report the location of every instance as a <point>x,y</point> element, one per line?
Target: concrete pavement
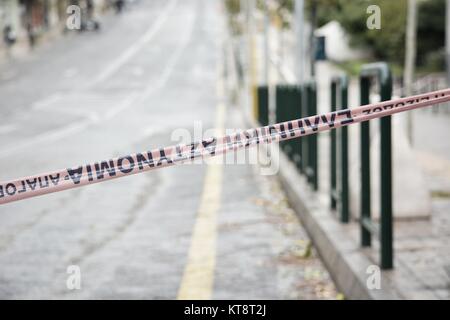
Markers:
<point>421,242</point>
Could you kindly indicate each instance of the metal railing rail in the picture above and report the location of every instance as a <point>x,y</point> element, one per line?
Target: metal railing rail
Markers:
<point>294,102</point>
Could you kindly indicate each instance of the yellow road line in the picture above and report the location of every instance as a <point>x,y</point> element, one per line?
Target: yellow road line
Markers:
<point>198,277</point>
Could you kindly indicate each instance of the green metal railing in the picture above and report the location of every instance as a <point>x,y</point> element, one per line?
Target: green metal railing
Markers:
<point>288,102</point>
<point>339,147</point>
<point>381,73</point>
<point>294,102</point>
<point>282,110</point>
<point>310,150</point>
<point>263,105</point>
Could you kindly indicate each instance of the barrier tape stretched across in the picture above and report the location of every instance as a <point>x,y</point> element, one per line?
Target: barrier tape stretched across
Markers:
<point>140,162</point>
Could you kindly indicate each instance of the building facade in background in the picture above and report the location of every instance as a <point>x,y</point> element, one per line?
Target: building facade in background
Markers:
<point>24,22</point>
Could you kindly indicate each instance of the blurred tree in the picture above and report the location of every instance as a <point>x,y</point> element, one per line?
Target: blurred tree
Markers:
<point>286,5</point>
<point>389,42</point>
<point>233,6</point>
<point>431,34</point>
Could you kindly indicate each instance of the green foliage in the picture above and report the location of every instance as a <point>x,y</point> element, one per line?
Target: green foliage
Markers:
<point>233,6</point>
<point>286,5</point>
<point>261,5</point>
<point>431,34</point>
<point>328,10</point>
<point>388,43</point>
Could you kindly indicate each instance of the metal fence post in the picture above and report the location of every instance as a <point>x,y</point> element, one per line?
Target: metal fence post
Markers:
<point>305,140</point>
<point>381,72</point>
<point>296,113</point>
<point>364,86</point>
<point>279,110</point>
<point>314,151</point>
<point>340,189</point>
<point>263,105</point>
<point>386,177</point>
<point>310,150</point>
<point>333,151</point>
<point>290,115</point>
<point>345,193</point>
<point>288,107</point>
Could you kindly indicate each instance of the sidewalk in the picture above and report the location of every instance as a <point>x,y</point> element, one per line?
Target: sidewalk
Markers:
<point>421,245</point>
<point>297,255</point>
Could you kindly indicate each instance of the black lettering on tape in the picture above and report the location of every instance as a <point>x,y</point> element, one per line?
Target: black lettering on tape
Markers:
<point>252,136</point>
<point>43,185</point>
<point>130,164</point>
<point>291,129</point>
<point>300,125</point>
<point>24,187</point>
<point>89,172</point>
<point>179,153</point>
<point>32,183</point>
<point>75,174</point>
<point>11,189</point>
<point>141,159</point>
<point>54,179</point>
<point>329,122</point>
<point>348,114</point>
<point>273,131</point>
<point>210,145</point>
<point>104,165</point>
<point>194,151</point>
<point>283,131</point>
<point>163,158</point>
<point>314,126</point>
<point>377,109</point>
<point>228,142</point>
<point>247,138</point>
<point>238,141</point>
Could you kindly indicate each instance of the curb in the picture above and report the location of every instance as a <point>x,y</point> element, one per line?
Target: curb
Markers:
<point>343,257</point>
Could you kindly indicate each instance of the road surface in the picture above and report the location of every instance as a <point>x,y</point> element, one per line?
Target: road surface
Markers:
<point>193,231</point>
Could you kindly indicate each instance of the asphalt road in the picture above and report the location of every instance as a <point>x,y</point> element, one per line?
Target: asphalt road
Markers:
<point>93,96</point>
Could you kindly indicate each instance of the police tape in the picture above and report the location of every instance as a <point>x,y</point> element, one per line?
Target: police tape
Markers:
<point>140,162</point>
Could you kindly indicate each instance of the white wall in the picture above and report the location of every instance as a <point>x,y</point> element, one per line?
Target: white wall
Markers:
<point>337,43</point>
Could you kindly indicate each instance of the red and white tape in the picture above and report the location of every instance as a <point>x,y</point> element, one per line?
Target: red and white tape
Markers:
<point>40,184</point>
